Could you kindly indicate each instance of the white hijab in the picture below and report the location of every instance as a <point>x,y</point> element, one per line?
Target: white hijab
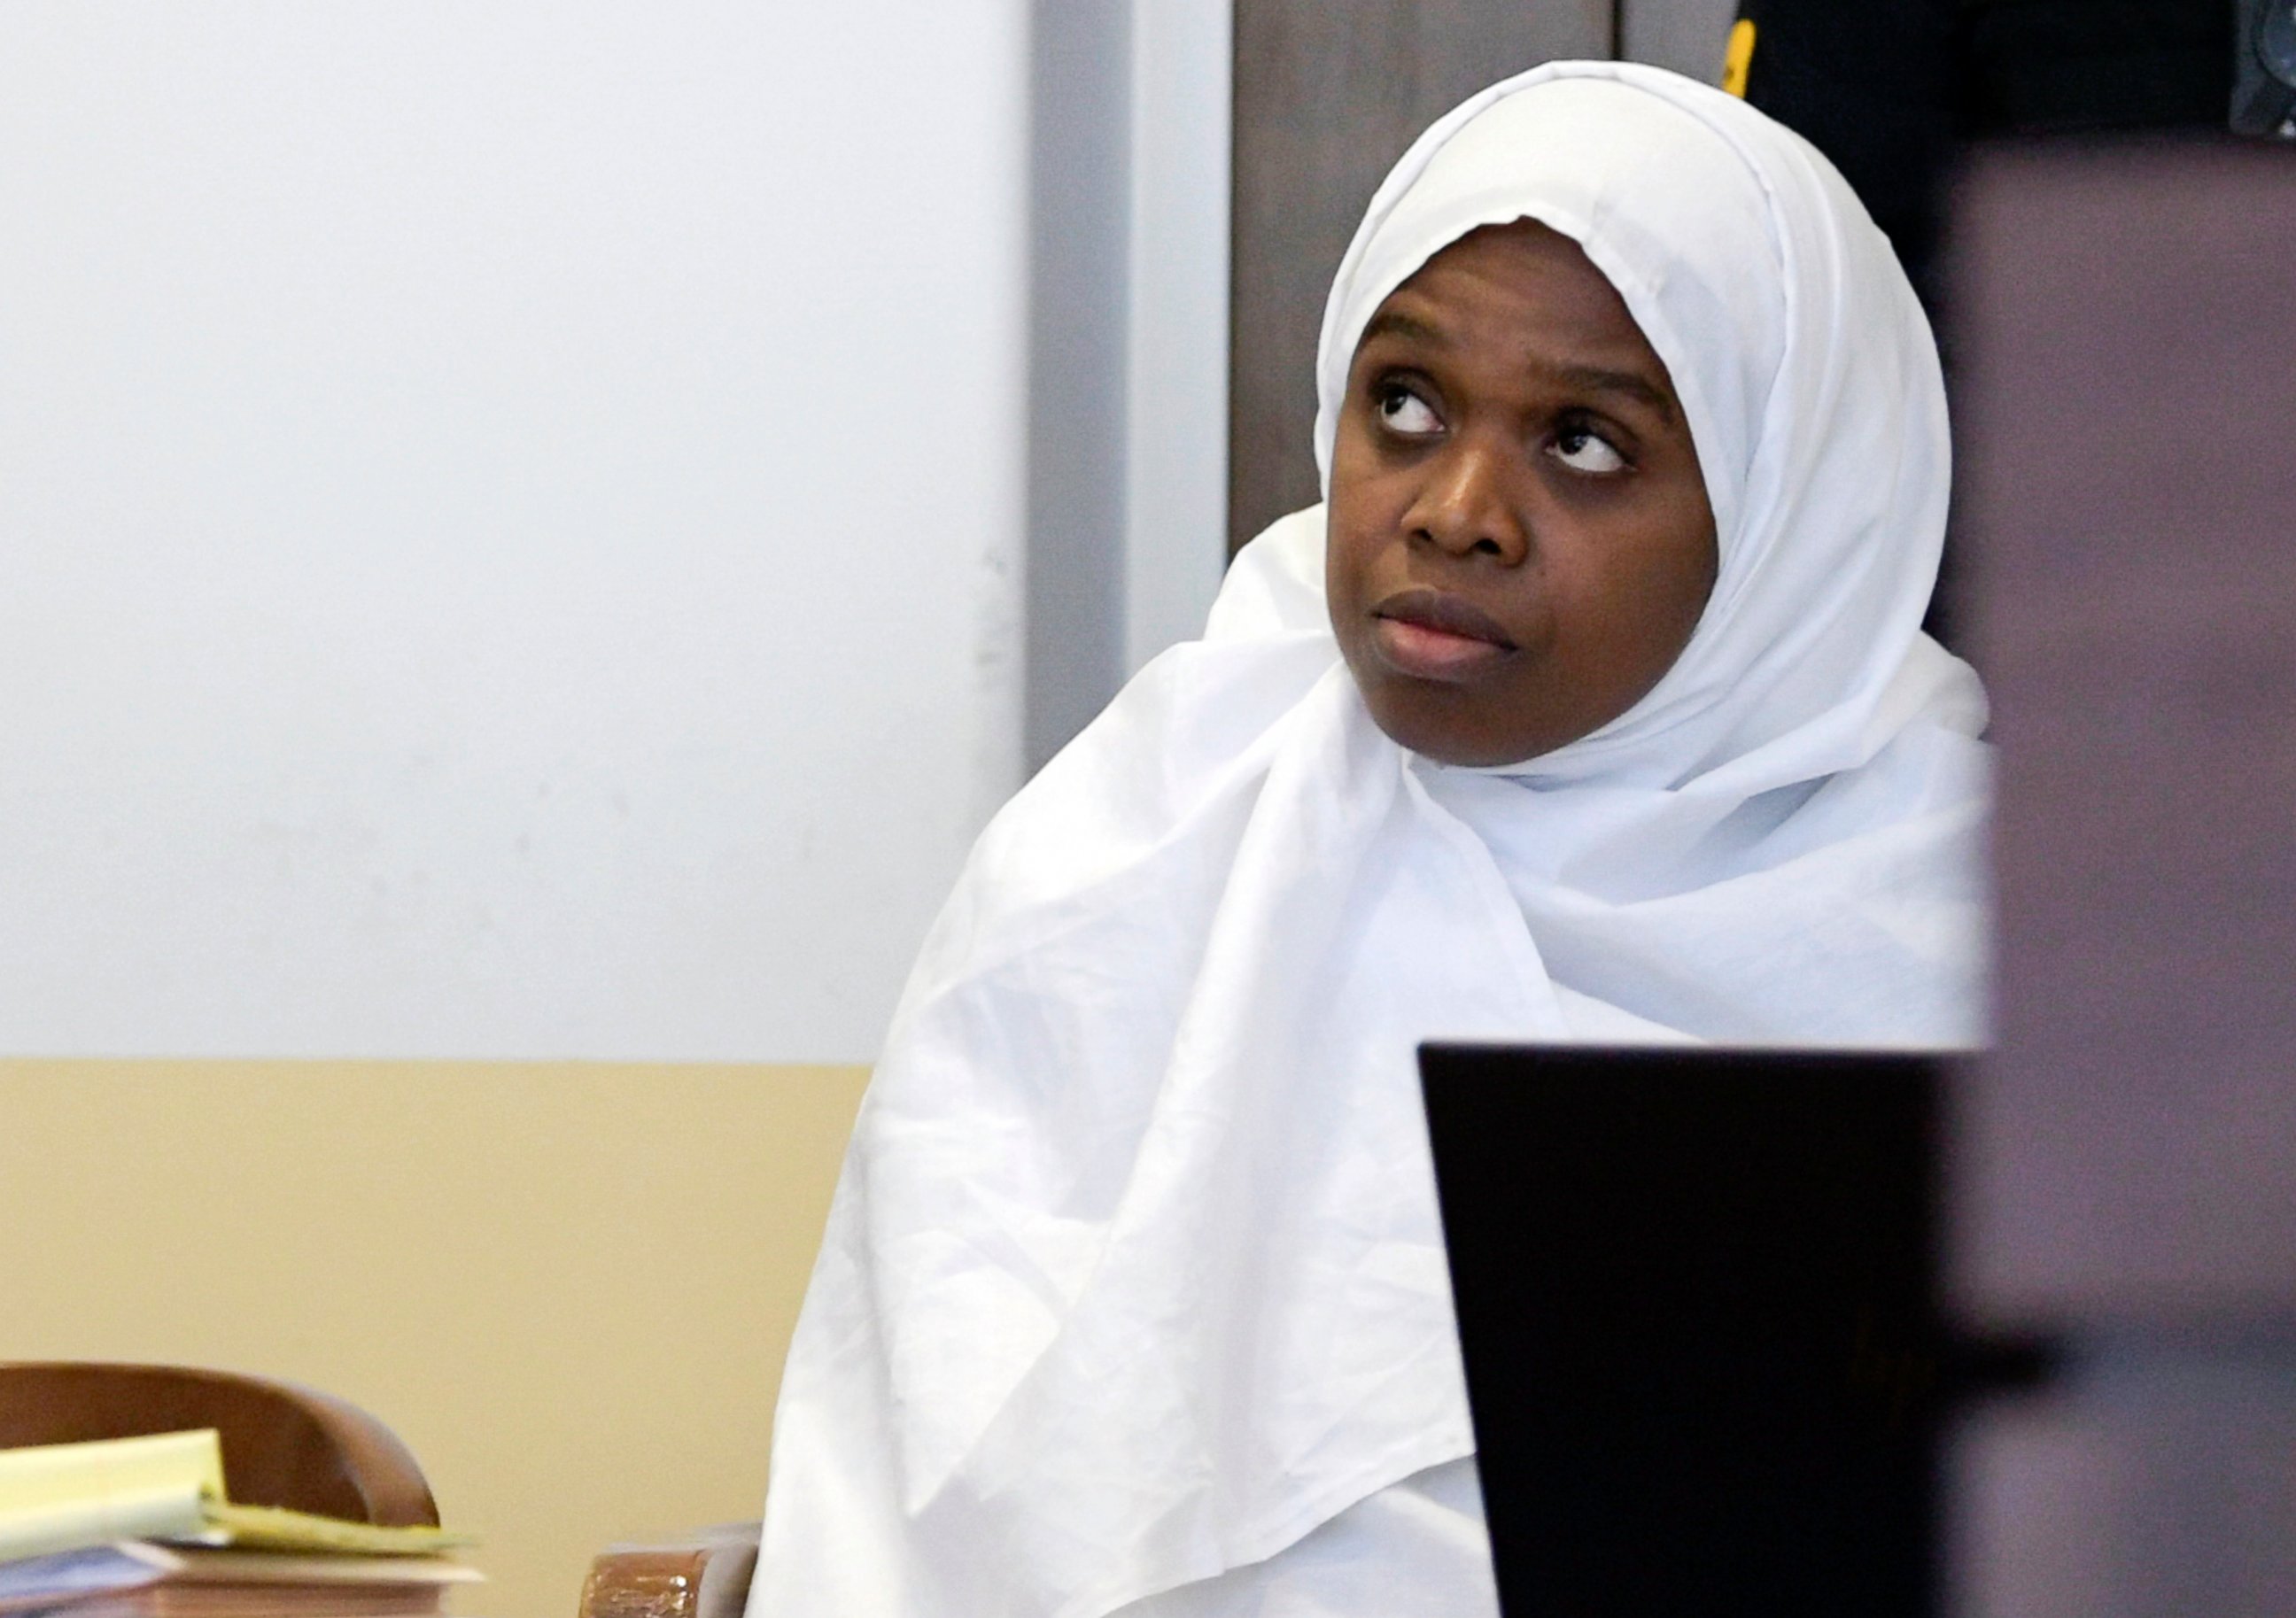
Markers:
<point>1135,1273</point>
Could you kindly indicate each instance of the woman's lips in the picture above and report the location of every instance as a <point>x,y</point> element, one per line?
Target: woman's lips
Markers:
<point>1430,635</point>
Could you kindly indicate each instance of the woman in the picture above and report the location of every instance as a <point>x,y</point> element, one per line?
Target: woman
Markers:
<point>1594,707</point>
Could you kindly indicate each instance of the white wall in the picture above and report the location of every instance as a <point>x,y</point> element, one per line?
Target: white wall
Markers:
<point>511,515</point>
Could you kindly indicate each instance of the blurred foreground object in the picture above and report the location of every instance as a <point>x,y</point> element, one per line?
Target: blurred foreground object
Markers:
<point>2125,326</point>
<point>333,1517</point>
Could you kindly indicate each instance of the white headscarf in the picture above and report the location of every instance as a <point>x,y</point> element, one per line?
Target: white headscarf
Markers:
<point>1135,1273</point>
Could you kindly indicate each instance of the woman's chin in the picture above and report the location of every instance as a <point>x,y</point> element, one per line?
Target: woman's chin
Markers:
<point>1446,723</point>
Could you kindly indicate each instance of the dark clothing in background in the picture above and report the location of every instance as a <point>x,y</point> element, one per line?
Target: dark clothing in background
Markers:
<point>1887,88</point>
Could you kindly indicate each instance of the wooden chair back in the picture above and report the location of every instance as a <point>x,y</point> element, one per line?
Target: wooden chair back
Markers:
<point>283,1445</point>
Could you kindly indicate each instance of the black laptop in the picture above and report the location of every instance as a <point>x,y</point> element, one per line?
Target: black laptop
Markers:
<point>1696,1296</point>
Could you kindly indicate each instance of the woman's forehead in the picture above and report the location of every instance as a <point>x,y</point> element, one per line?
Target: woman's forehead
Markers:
<point>1527,266</point>
<point>1529,294</point>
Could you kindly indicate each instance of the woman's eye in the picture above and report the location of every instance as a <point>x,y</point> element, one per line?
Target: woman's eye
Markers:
<point>1585,452</point>
<point>1402,411</point>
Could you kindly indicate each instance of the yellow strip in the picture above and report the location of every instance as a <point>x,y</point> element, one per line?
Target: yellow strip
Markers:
<point>277,1529</point>
<point>1739,58</point>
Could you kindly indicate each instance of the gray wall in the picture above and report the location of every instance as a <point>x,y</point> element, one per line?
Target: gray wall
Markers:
<point>1078,206</point>
<point>1689,35</point>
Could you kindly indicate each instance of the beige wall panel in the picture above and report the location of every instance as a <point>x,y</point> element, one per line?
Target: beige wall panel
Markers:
<point>568,1286</point>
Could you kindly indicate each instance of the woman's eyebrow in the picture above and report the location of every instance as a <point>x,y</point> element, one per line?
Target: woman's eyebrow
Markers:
<point>1596,378</point>
<point>1590,379</point>
<point>1394,323</point>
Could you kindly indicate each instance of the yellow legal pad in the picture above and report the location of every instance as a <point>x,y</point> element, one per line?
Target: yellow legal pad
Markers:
<point>168,1486</point>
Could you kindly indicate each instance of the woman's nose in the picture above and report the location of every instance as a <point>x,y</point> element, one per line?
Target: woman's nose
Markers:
<point>1465,507</point>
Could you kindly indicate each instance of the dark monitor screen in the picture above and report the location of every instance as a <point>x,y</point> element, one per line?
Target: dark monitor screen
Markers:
<point>1696,1297</point>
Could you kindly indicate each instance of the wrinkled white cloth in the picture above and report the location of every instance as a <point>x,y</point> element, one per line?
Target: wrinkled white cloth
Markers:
<point>1133,1276</point>
<point>1414,1549</point>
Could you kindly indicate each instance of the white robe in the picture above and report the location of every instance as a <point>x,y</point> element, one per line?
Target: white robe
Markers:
<point>1134,1282</point>
<point>1416,1547</point>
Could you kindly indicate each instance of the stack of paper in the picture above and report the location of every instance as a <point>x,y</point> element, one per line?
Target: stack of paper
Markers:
<point>143,1528</point>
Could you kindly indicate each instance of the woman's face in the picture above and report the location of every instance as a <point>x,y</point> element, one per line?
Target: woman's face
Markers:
<point>1521,543</point>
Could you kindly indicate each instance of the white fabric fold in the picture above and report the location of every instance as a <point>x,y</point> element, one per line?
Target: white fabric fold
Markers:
<point>1416,1548</point>
<point>1134,1275</point>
